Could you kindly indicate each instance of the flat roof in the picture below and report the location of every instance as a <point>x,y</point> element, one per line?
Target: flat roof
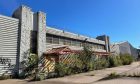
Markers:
<point>7,17</point>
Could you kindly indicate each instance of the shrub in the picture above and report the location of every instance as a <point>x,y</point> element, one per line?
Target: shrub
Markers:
<point>114,61</point>
<point>126,59</point>
<point>51,75</point>
<point>104,62</point>
<point>113,75</point>
<point>30,65</point>
<point>78,66</point>
<point>101,63</point>
<point>92,66</point>
<point>61,69</point>
<point>85,58</point>
<point>134,75</point>
<point>86,61</point>
<point>40,76</point>
<point>122,59</point>
<point>4,77</point>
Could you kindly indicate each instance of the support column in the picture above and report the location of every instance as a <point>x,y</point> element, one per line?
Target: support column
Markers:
<point>41,30</point>
<point>25,16</point>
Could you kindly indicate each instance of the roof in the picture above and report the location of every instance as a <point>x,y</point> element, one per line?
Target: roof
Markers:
<point>59,51</point>
<point>117,43</point>
<point>66,34</point>
<point>9,18</point>
<point>67,50</point>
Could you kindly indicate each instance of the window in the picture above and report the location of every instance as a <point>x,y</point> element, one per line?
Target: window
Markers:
<point>49,39</point>
<point>99,47</point>
<point>103,47</point>
<point>61,41</point>
<point>67,42</point>
<point>78,43</point>
<point>55,40</point>
<point>73,42</point>
<point>96,46</point>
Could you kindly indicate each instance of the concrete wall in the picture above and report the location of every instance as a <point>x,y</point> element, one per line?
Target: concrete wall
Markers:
<point>30,23</point>
<point>25,16</point>
<point>41,33</point>
<point>63,33</point>
<point>50,46</point>
<point>115,49</point>
<point>106,40</point>
<point>8,43</point>
<point>134,51</point>
<point>123,48</point>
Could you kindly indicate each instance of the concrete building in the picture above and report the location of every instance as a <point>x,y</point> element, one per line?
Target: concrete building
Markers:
<point>26,31</point>
<point>124,48</point>
<point>138,54</point>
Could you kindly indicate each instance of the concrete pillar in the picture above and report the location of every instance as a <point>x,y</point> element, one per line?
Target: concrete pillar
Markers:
<point>40,27</point>
<point>25,16</point>
<point>107,41</point>
<point>40,23</point>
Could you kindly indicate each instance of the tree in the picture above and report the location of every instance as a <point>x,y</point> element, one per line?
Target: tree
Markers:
<point>85,57</point>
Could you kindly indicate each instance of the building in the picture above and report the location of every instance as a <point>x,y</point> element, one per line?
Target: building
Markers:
<point>138,54</point>
<point>60,38</point>
<point>26,31</point>
<point>124,48</point>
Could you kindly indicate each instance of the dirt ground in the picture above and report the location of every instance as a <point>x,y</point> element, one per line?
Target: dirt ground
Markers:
<point>92,77</point>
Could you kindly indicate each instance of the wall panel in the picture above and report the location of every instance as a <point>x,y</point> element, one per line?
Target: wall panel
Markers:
<point>8,43</point>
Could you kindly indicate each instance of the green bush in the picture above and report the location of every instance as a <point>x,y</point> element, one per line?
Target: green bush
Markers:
<point>4,77</point>
<point>85,57</point>
<point>126,59</point>
<point>101,63</point>
<point>104,62</point>
<point>51,75</point>
<point>78,66</point>
<point>92,66</point>
<point>61,69</point>
<point>86,61</point>
<point>122,59</point>
<point>114,61</point>
<point>113,75</point>
<point>40,76</point>
<point>30,65</point>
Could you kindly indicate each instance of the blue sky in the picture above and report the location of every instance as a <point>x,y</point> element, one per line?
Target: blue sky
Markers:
<point>120,19</point>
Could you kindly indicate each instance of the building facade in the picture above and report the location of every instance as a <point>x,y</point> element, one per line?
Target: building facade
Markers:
<point>124,48</point>
<point>26,32</point>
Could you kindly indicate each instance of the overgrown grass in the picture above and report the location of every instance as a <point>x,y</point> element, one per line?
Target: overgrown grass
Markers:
<point>112,75</point>
<point>4,77</point>
<point>133,75</point>
<point>96,64</point>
